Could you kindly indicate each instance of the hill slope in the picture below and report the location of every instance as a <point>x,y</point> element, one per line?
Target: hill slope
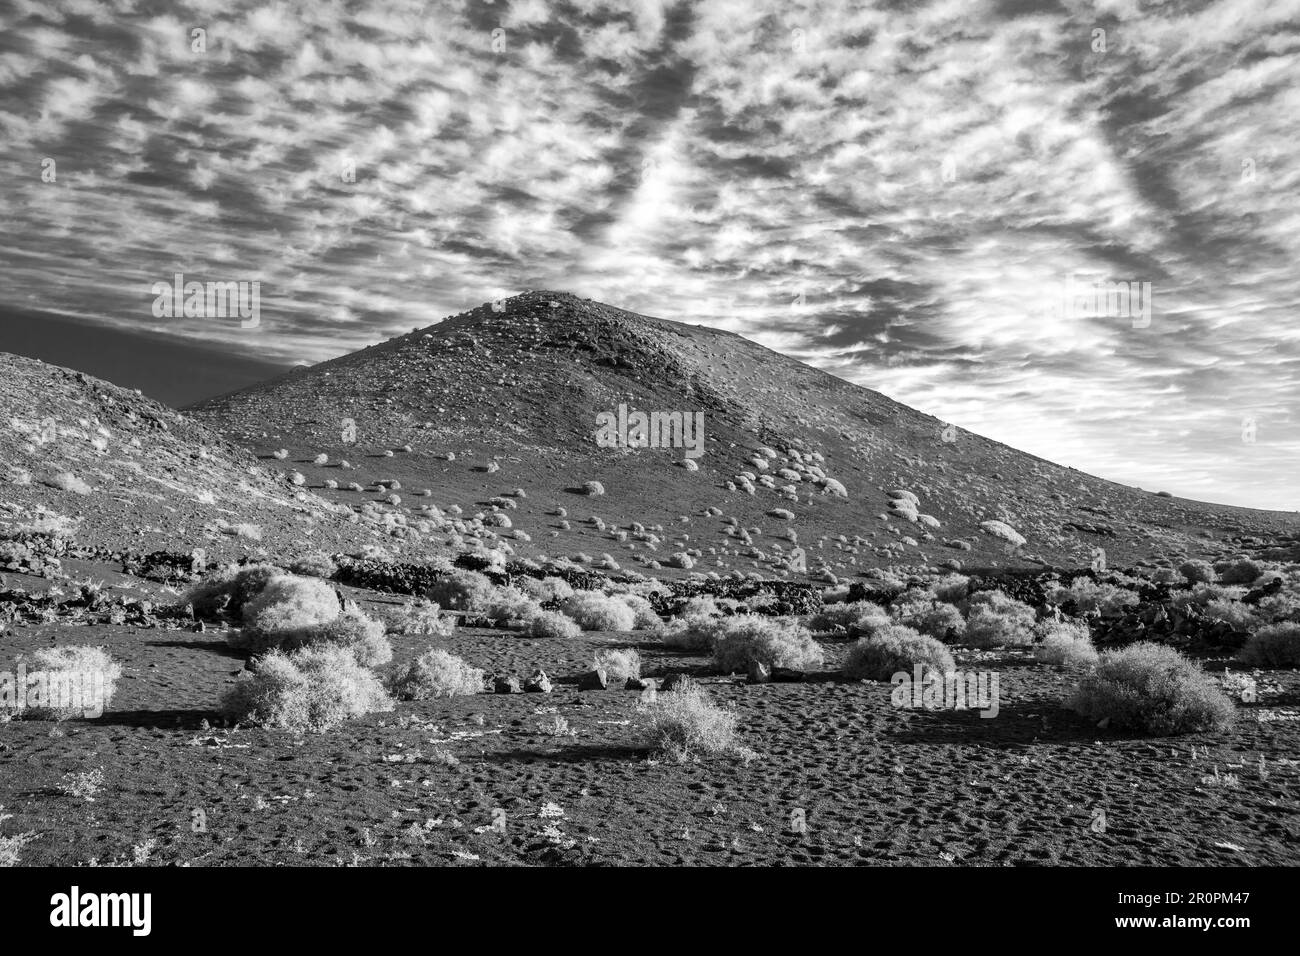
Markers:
<point>123,471</point>
<point>521,384</point>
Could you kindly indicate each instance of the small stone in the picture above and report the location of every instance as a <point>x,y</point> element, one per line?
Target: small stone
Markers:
<point>506,685</point>
<point>538,683</point>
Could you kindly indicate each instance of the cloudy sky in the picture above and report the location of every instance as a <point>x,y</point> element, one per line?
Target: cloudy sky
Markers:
<point>896,192</point>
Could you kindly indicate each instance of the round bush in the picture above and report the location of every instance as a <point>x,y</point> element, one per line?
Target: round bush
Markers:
<point>893,649</point>
<point>998,620</point>
<point>1152,689</point>
<point>594,611</point>
<point>1277,645</point>
<point>437,673</point>
<point>748,639</point>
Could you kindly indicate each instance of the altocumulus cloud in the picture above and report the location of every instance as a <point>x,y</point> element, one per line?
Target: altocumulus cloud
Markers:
<point>895,192</point>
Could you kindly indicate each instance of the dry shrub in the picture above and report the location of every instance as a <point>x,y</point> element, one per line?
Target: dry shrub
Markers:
<point>437,673</point>
<point>462,590</point>
<point>594,611</point>
<point>1067,643</point>
<point>951,588</point>
<point>748,639</point>
<point>1240,571</point>
<point>511,604</point>
<point>1197,571</point>
<point>312,689</point>
<point>289,603</point>
<point>686,723</point>
<point>645,616</point>
<point>1152,689</point>
<point>553,624</point>
<point>858,617</point>
<point>546,590</point>
<point>893,649</point>
<point>80,681</point>
<point>1089,596</point>
<point>229,588</point>
<point>420,616</point>
<point>1275,646</point>
<point>924,613</point>
<point>997,620</point>
<point>318,564</point>
<point>618,664</point>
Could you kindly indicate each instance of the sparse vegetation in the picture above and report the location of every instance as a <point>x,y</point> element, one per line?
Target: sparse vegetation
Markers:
<point>748,639</point>
<point>312,689</point>
<point>438,673</point>
<point>1274,646</point>
<point>618,664</point>
<point>1066,643</point>
<point>686,723</point>
<point>461,590</point>
<point>420,616</point>
<point>1152,689</point>
<point>893,649</point>
<point>998,620</point>
<point>80,681</point>
<point>595,611</point>
<point>552,624</point>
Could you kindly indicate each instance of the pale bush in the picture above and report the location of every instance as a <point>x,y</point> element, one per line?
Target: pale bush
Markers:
<point>552,624</point>
<point>1197,571</point>
<point>511,604</point>
<point>951,588</point>
<point>1152,689</point>
<point>350,629</point>
<point>893,649</point>
<point>229,588</point>
<point>289,603</point>
<point>1275,646</point>
<point>936,618</point>
<point>686,722</point>
<point>437,673</point>
<point>997,620</point>
<point>1089,596</point>
<point>1066,643</point>
<point>312,689</point>
<point>420,616</point>
<point>643,609</point>
<point>546,590</point>
<point>688,634</point>
<point>700,606</point>
<point>856,616</point>
<point>594,611</point>
<point>619,664</point>
<point>1240,571</point>
<point>593,488</point>
<point>80,678</point>
<point>748,639</point>
<point>318,564</point>
<point>463,590</point>
<point>1241,617</point>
